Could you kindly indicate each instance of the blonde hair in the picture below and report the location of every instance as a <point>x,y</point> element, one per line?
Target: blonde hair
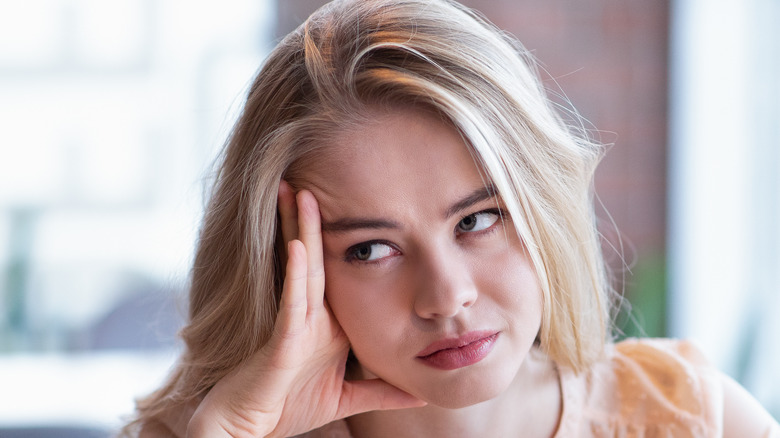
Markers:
<point>355,54</point>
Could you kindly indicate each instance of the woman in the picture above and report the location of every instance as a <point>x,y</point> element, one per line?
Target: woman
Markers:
<point>401,242</point>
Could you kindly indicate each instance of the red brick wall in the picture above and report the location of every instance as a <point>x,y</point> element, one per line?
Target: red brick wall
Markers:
<point>610,58</point>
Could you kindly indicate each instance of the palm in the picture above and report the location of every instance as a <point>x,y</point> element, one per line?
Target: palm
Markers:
<point>295,383</point>
<point>317,391</point>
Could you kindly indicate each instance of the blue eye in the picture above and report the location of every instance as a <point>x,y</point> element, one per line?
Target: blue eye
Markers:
<point>370,251</point>
<point>478,221</point>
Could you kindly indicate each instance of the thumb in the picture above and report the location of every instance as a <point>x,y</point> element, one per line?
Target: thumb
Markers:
<point>360,396</point>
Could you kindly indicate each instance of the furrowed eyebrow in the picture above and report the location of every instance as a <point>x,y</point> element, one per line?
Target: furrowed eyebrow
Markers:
<point>345,225</point>
<point>352,224</point>
<point>474,197</point>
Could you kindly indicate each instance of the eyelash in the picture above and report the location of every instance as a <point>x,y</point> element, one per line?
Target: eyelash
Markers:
<point>495,211</point>
<point>351,253</point>
<point>354,249</point>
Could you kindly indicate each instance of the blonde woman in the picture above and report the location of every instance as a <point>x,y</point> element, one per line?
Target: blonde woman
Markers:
<point>401,243</point>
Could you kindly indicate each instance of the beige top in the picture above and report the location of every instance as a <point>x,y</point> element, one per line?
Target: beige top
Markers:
<point>642,388</point>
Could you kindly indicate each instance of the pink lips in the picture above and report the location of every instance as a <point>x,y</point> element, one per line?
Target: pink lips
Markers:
<point>450,354</point>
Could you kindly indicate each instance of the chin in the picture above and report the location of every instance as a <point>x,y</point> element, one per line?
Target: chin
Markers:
<point>461,392</point>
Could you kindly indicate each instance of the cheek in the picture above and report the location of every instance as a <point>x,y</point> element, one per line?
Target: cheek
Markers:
<point>344,299</point>
<point>514,283</point>
<point>369,312</point>
<point>521,284</point>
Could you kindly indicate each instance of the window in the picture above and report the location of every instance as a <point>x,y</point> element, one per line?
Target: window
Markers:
<point>725,187</point>
<point>112,113</point>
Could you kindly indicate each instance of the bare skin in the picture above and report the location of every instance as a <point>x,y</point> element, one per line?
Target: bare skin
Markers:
<point>436,278</point>
<point>417,249</point>
<point>295,383</point>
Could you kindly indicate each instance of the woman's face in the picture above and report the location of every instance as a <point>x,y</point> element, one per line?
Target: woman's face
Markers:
<point>434,290</point>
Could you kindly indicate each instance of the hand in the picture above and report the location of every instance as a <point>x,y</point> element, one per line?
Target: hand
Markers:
<point>295,383</point>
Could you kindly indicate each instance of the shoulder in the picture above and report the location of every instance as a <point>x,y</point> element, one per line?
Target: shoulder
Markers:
<point>670,370</point>
<point>675,350</point>
<point>673,376</point>
<point>743,415</point>
<point>648,386</point>
<point>662,387</point>
<point>731,405</point>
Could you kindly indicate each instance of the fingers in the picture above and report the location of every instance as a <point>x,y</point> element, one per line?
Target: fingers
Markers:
<point>310,233</point>
<point>375,394</point>
<point>288,212</point>
<point>300,219</point>
<point>293,307</point>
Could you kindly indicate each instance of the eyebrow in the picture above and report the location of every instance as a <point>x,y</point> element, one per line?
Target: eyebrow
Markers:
<point>474,197</point>
<point>358,223</point>
<point>348,224</point>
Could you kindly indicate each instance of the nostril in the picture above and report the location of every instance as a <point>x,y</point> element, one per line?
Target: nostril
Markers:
<point>442,303</point>
<point>445,285</point>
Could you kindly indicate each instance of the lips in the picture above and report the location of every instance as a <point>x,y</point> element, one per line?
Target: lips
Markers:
<point>454,353</point>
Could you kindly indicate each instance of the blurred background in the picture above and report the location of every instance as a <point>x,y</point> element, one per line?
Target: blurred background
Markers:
<point>111,114</point>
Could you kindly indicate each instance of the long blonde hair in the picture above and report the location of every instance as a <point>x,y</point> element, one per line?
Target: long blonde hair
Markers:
<point>320,79</point>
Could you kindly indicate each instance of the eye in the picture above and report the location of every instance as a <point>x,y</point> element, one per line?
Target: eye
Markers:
<point>370,251</point>
<point>478,221</point>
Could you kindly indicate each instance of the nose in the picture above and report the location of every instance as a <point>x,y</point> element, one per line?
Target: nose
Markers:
<point>445,286</point>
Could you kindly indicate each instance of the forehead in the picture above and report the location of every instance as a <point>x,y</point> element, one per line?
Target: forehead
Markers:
<point>399,158</point>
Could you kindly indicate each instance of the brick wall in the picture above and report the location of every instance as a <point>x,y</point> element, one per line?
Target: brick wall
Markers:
<point>610,58</point>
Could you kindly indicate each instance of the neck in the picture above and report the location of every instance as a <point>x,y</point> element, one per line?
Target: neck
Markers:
<point>531,406</point>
